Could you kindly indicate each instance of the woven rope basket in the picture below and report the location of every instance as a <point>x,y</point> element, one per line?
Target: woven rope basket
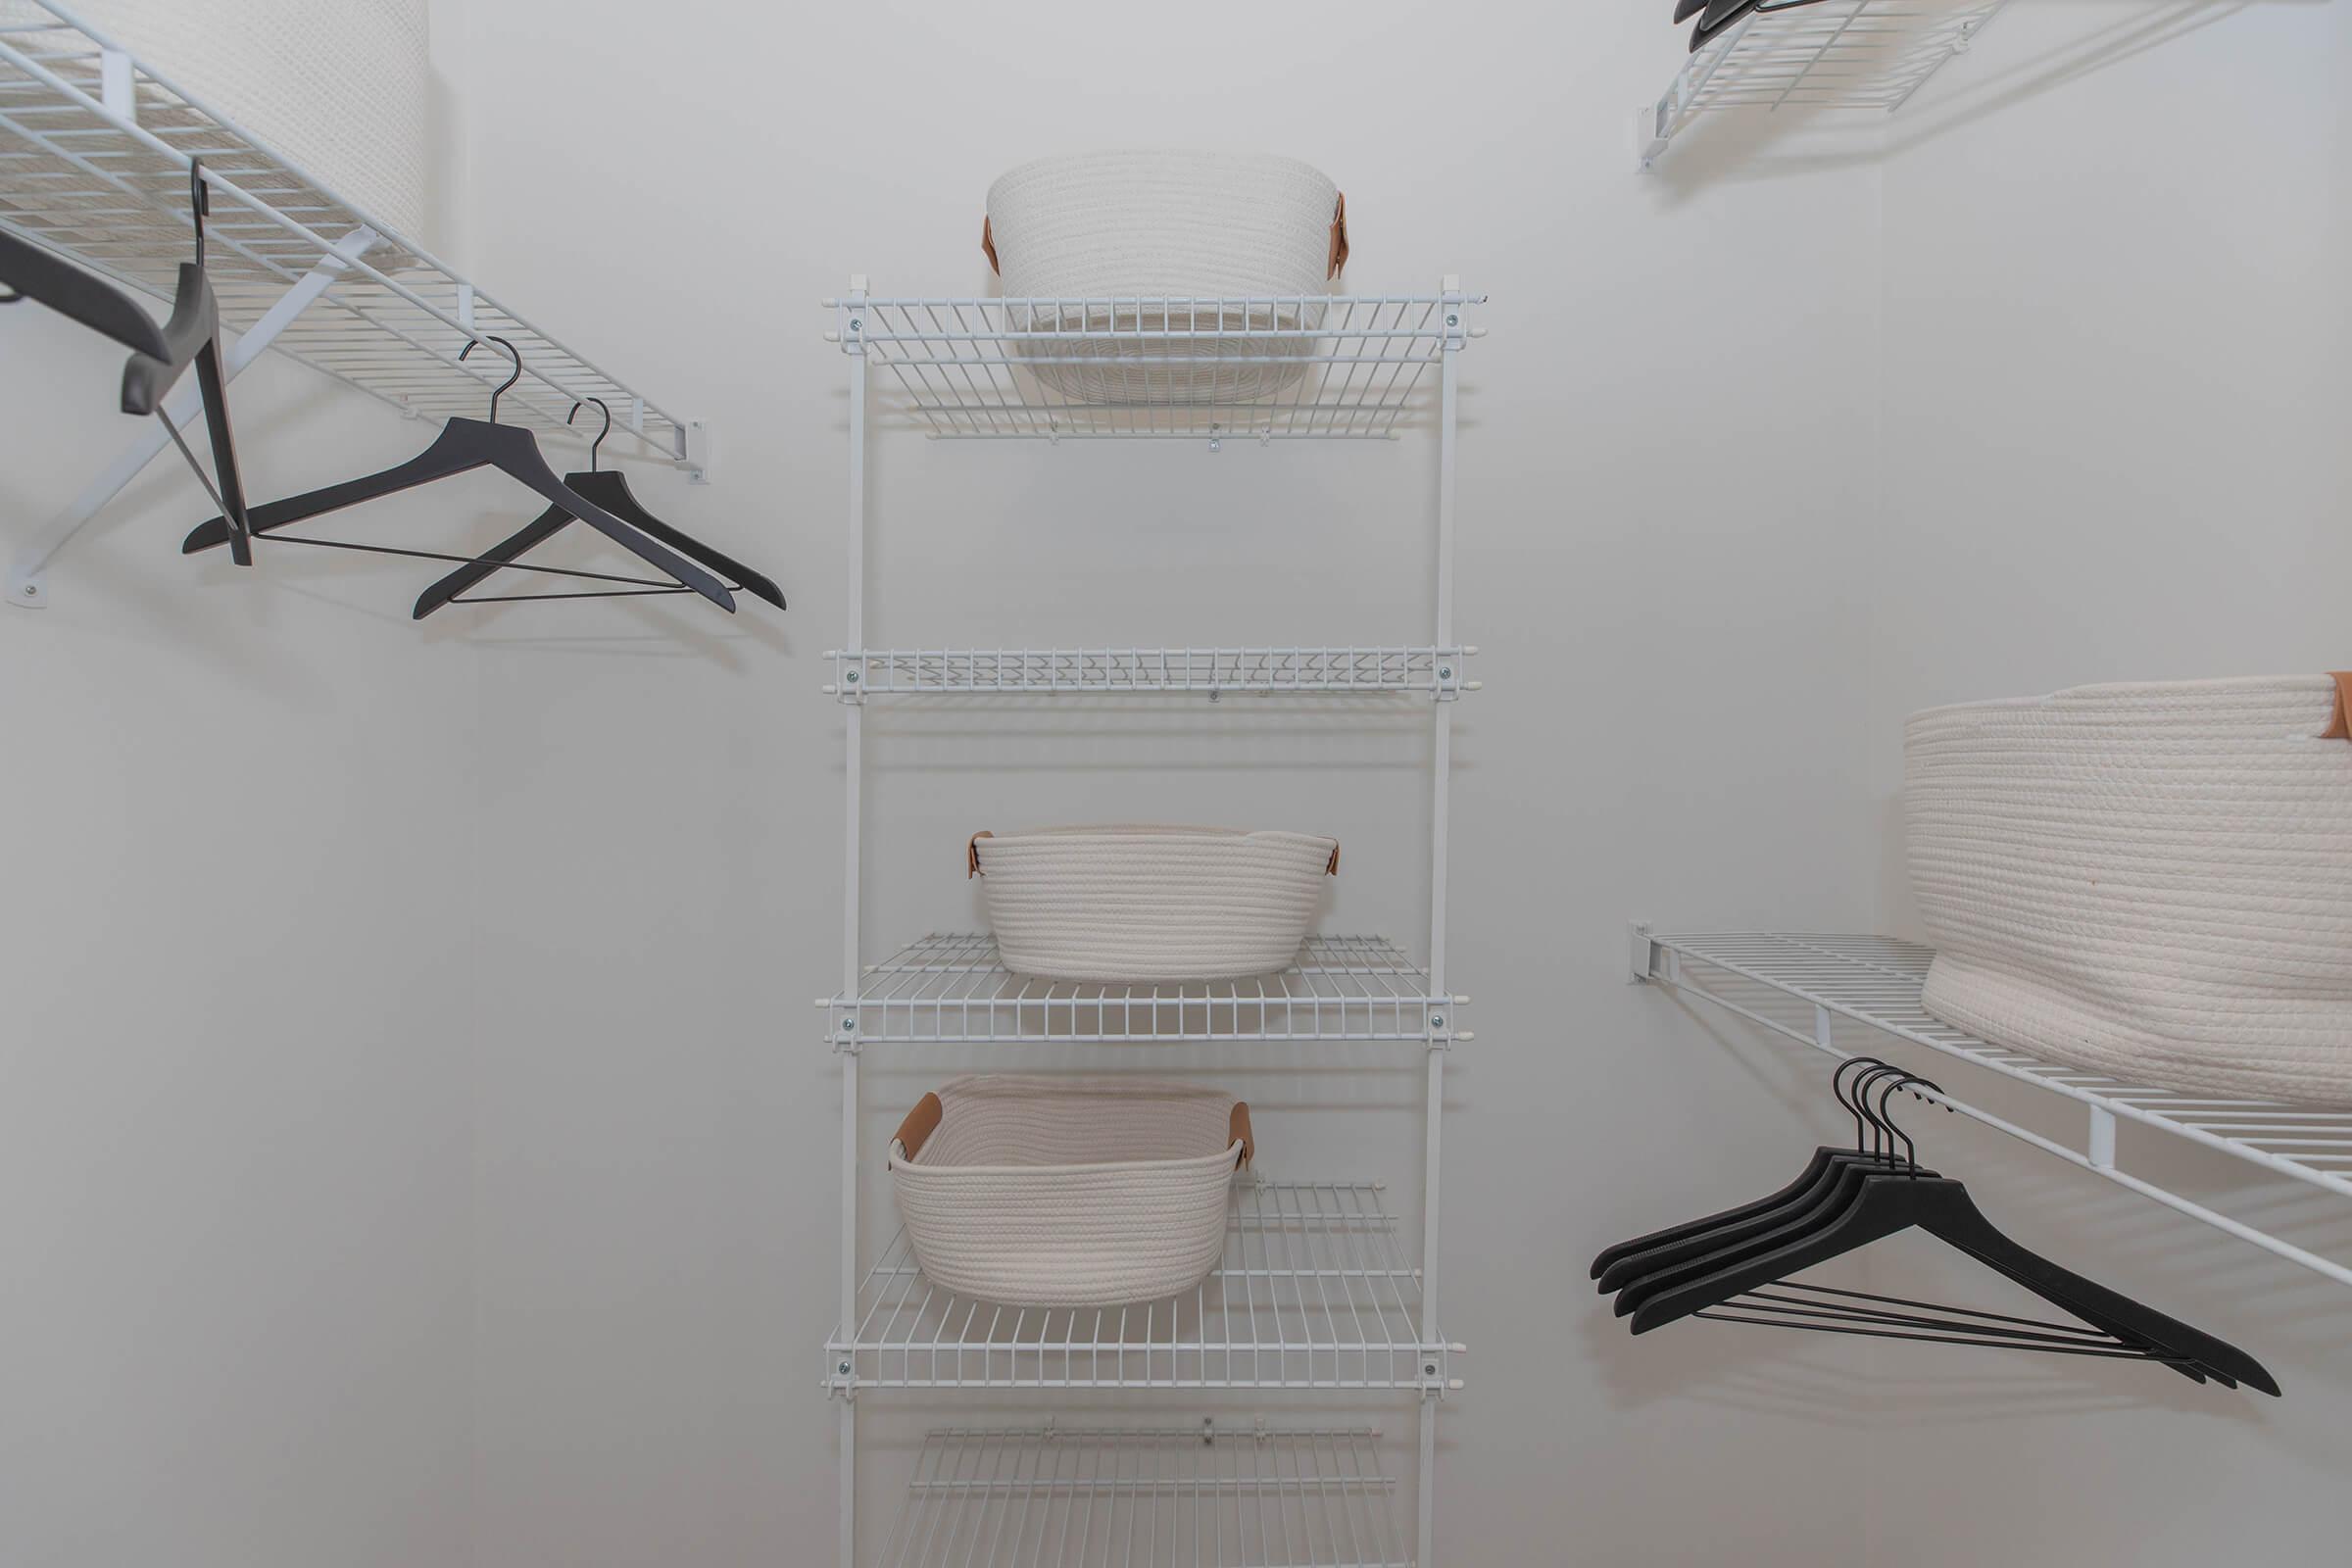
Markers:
<point>2150,881</point>
<point>1068,1192</point>
<point>1131,905</point>
<point>1131,241</point>
<point>343,90</point>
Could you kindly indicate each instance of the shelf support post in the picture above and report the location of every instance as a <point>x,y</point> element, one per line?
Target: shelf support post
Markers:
<point>1439,808</point>
<point>2101,1147</point>
<point>26,587</point>
<point>852,968</point>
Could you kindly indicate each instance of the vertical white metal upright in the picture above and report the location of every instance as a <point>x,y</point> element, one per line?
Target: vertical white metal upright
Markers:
<point>1439,1023</point>
<point>845,1030</point>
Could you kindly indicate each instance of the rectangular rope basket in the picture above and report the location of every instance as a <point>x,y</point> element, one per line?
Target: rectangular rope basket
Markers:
<point>1068,1192</point>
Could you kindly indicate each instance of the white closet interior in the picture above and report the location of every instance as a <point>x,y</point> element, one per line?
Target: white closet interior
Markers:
<point>418,1143</point>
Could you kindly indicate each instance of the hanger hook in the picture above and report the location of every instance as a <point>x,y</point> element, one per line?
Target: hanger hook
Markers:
<point>601,434</point>
<point>1882,1132</point>
<point>513,352</point>
<point>1837,1087</point>
<point>200,203</point>
<point>1900,1081</point>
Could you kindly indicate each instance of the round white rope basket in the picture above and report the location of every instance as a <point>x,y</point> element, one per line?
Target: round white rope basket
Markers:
<point>2149,881</point>
<point>1068,1192</point>
<point>1222,245</point>
<point>343,92</point>
<point>1135,905</point>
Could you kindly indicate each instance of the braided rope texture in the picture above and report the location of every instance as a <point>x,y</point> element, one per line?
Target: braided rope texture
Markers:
<point>1135,905</point>
<point>2150,881</point>
<point>1069,1192</point>
<point>1139,228</point>
<point>344,90</point>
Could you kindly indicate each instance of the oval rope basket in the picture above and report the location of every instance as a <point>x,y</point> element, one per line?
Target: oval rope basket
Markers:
<point>1068,1192</point>
<point>1135,905</point>
<point>2150,881</point>
<point>1201,249</point>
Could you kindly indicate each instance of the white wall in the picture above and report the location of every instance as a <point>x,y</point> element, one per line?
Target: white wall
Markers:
<point>235,1315</point>
<point>578,1152</point>
<point>2114,392</point>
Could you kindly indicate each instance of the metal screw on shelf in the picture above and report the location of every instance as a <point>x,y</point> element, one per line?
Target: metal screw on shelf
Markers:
<point>1444,672</point>
<point>1437,1020</point>
<point>850,677</point>
<point>1429,1369</point>
<point>1453,321</point>
<point>843,1369</point>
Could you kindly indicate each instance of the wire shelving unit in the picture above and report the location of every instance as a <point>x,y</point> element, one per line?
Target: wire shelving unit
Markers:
<point>1831,54</point>
<point>1186,672</point>
<point>1122,1496</point>
<point>953,988</point>
<point>1800,986</point>
<point>94,154</point>
<point>1316,1290</point>
<point>1313,1292</point>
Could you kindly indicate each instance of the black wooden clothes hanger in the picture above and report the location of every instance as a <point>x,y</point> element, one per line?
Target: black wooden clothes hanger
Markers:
<point>463,446</point>
<point>607,489</point>
<point>1651,1273</point>
<point>159,354</point>
<point>1902,1195</point>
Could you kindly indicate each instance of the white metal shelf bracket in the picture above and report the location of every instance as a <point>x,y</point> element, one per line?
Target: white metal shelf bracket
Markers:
<point>26,584</point>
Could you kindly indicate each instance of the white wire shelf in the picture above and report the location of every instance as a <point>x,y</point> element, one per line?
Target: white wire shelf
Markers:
<point>1439,672</point>
<point>1268,368</point>
<point>93,165</point>
<point>1876,981</point>
<point>1134,1496</point>
<point>953,988</point>
<point>1831,54</point>
<point>1313,1292</point>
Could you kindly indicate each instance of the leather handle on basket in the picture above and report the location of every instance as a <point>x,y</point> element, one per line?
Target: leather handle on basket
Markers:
<point>920,1123</point>
<point>972,855</point>
<point>1333,869</point>
<point>2339,728</point>
<point>1338,237</point>
<point>1238,1128</point>
<point>988,246</point>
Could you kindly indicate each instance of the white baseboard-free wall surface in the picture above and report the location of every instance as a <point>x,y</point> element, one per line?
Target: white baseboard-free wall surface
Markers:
<point>421,1140</point>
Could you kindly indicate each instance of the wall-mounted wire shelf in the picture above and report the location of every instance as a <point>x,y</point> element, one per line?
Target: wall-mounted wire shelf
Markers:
<point>953,988</point>
<point>1313,1292</point>
<point>1210,1495</point>
<point>1876,981</point>
<point>1198,672</point>
<point>94,154</point>
<point>1266,368</point>
<point>1830,53</point>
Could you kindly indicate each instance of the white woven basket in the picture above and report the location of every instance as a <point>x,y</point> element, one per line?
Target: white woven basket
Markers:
<point>1068,1192</point>
<point>343,90</point>
<point>1128,904</point>
<point>2150,881</point>
<point>1120,238</point>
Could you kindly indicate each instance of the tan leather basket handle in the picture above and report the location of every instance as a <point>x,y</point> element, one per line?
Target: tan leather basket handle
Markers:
<point>972,855</point>
<point>1238,1131</point>
<point>988,246</point>
<point>1333,869</point>
<point>1338,237</point>
<point>2339,728</point>
<point>920,1123</point>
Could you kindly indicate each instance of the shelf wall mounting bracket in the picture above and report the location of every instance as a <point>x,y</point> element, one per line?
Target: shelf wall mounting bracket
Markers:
<point>28,586</point>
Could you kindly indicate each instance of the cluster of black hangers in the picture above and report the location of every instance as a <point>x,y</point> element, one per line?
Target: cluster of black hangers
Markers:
<point>1716,14</point>
<point>601,499</point>
<point>1736,1266</point>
